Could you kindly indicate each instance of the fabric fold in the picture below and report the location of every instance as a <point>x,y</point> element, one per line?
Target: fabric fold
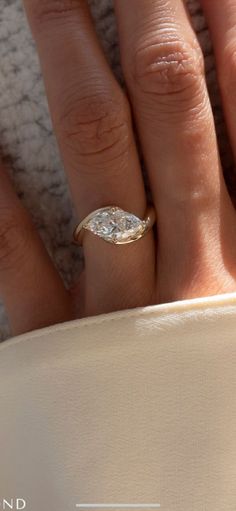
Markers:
<point>128,408</point>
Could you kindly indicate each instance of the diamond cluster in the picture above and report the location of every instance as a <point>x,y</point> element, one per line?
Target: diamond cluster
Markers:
<point>116,225</point>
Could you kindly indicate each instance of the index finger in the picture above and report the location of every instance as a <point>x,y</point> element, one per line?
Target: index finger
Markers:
<point>221,18</point>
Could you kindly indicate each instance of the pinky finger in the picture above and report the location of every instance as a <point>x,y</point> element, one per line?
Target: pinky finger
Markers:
<point>30,287</point>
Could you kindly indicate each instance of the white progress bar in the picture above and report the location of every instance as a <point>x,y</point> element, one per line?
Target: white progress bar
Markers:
<point>143,506</point>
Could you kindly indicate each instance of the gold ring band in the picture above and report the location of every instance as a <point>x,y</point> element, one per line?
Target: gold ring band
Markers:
<point>115,225</point>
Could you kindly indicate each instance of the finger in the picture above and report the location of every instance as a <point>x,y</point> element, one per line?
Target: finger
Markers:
<point>30,287</point>
<point>93,124</point>
<point>221,18</point>
<point>164,71</point>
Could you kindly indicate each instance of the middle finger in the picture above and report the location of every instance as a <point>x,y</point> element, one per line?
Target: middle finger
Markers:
<point>164,71</point>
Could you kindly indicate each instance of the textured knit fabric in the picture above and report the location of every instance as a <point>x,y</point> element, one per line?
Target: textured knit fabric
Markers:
<point>28,143</point>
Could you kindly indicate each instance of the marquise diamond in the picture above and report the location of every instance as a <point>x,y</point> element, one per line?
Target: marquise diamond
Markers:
<point>116,225</point>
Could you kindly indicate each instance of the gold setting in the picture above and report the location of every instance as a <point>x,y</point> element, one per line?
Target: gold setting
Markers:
<point>115,225</point>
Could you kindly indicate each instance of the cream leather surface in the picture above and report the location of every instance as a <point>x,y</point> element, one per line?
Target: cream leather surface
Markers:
<point>133,407</point>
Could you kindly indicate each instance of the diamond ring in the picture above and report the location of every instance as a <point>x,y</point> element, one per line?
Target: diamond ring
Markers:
<point>115,225</point>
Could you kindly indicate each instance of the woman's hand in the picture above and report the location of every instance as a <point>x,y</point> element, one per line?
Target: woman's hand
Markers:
<point>195,251</point>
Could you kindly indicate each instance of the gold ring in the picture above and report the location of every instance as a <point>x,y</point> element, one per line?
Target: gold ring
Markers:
<point>115,225</point>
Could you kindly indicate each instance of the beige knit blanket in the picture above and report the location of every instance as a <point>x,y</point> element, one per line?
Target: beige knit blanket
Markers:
<point>26,137</point>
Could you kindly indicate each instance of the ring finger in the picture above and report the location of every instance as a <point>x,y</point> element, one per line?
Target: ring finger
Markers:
<point>94,129</point>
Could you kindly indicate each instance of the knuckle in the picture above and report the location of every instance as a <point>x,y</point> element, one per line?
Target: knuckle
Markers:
<point>14,239</point>
<point>43,11</point>
<point>95,129</point>
<point>168,67</point>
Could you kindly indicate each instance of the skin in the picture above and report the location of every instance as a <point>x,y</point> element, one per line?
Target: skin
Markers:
<point>194,251</point>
